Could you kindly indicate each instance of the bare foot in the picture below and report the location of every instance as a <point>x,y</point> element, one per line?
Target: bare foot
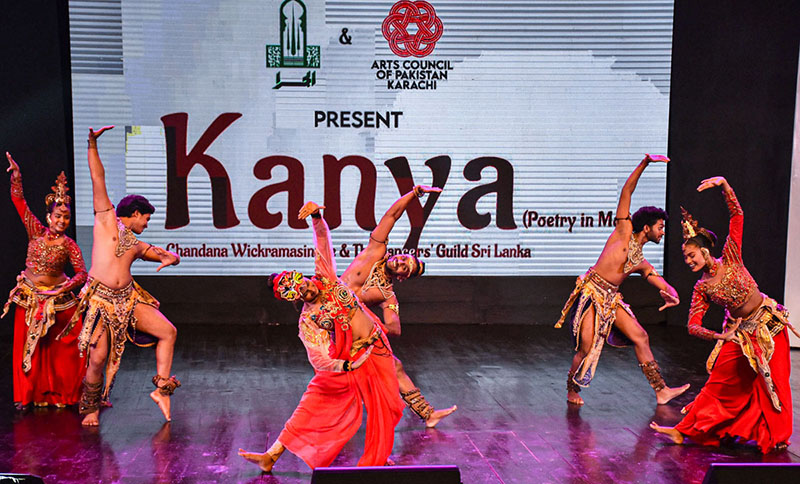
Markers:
<point>389,462</point>
<point>91,419</point>
<point>670,432</point>
<point>264,461</point>
<point>666,394</point>
<point>438,415</point>
<point>163,403</point>
<point>574,398</point>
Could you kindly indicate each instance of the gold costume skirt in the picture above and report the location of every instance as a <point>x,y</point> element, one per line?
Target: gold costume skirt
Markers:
<point>40,312</point>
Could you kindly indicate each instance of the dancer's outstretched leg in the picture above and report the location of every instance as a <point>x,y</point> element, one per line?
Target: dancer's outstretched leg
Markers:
<point>151,321</point>
<point>414,399</point>
<point>670,432</point>
<point>264,460</point>
<point>634,331</point>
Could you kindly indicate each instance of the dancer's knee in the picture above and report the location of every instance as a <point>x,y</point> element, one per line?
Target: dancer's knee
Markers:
<point>170,334</point>
<point>641,339</point>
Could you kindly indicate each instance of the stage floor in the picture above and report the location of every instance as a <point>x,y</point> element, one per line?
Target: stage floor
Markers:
<point>513,425</point>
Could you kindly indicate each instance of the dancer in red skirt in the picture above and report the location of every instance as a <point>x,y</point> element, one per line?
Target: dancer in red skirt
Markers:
<point>353,367</point>
<point>47,367</point>
<point>747,395</point>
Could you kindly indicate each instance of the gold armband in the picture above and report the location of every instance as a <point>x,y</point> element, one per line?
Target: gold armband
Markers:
<point>395,308</point>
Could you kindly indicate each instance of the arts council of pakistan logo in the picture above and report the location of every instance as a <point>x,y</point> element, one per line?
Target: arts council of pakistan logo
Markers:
<point>395,28</point>
<point>293,50</point>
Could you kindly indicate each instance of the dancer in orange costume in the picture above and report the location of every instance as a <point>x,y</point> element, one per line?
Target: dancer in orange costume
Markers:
<point>353,367</point>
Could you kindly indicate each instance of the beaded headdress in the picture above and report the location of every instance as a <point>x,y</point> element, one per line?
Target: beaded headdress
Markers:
<point>287,285</point>
<point>691,228</point>
<point>59,195</point>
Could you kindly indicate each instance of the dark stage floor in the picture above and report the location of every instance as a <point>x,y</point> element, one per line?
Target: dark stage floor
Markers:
<point>240,383</point>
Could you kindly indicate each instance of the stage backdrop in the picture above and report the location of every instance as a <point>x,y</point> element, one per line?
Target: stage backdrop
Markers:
<point>230,114</point>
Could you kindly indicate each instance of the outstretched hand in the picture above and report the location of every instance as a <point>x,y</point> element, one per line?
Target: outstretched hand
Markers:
<point>717,181</point>
<point>308,209</point>
<point>93,135</point>
<point>669,300</point>
<point>656,158</point>
<point>361,359</point>
<point>730,331</point>
<point>13,167</point>
<point>167,258</point>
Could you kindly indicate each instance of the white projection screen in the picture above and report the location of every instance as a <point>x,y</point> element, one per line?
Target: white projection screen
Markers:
<point>230,113</point>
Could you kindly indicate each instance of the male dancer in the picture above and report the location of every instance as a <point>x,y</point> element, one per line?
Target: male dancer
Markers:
<point>595,306</point>
<point>370,277</point>
<point>116,306</point>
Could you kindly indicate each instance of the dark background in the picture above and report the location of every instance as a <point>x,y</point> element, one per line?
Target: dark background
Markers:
<point>734,75</point>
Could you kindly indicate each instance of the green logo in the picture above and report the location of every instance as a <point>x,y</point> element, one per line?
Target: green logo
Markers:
<point>293,50</point>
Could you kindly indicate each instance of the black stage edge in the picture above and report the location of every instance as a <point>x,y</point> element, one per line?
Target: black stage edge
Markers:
<point>387,475</point>
<point>738,473</point>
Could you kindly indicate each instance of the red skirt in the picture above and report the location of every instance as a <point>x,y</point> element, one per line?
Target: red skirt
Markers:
<point>330,413</point>
<point>735,402</point>
<point>57,369</point>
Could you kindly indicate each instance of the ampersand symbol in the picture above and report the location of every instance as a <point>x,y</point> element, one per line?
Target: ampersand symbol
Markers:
<point>344,251</point>
<point>429,28</point>
<point>345,39</point>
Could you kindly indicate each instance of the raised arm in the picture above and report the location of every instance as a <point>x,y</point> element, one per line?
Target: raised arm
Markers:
<point>379,237</point>
<point>732,251</point>
<point>33,226</point>
<point>624,204</point>
<point>324,261</point>
<point>103,208</point>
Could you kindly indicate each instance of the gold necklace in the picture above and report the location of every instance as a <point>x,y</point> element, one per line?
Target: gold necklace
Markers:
<point>635,256</point>
<point>125,240</point>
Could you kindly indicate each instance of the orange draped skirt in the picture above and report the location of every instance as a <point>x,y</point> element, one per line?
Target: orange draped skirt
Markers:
<point>57,369</point>
<point>331,409</point>
<point>735,402</point>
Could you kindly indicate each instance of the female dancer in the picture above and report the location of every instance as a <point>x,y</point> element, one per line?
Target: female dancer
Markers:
<point>47,367</point>
<point>353,367</point>
<point>747,394</point>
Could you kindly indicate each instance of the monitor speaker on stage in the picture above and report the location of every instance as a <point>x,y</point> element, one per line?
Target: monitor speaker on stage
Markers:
<point>20,479</point>
<point>742,473</point>
<point>387,475</point>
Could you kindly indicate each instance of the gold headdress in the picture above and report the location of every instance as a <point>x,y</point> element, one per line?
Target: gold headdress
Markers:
<point>689,225</point>
<point>59,195</point>
<point>691,228</point>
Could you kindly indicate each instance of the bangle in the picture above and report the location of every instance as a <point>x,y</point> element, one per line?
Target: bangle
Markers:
<point>418,191</point>
<point>316,215</point>
<point>347,366</point>
<point>101,211</point>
